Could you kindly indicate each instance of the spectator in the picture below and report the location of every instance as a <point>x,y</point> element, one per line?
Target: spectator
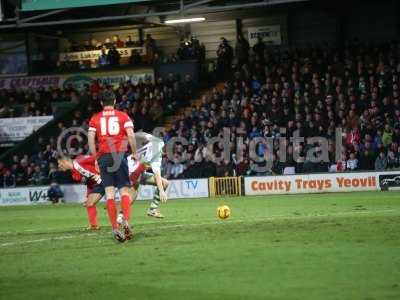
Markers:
<point>151,48</point>
<point>177,169</point>
<point>259,49</point>
<point>117,42</point>
<point>156,112</point>
<point>135,59</point>
<point>387,136</point>
<point>207,167</point>
<point>352,162</point>
<point>242,50</point>
<point>9,180</point>
<point>367,160</point>
<point>38,177</point>
<point>108,44</point>
<point>381,162</point>
<point>53,173</point>
<point>341,164</point>
<point>82,65</point>
<point>129,42</point>
<point>242,167</point>
<point>55,193</point>
<point>224,168</point>
<point>113,56</point>
<point>188,90</point>
<point>225,56</point>
<point>103,59</point>
<point>3,169</point>
<point>392,160</point>
<point>4,111</point>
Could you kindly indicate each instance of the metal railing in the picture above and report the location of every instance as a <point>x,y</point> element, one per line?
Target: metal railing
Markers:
<point>225,186</point>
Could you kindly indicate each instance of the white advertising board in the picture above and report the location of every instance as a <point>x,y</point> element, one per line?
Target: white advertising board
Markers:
<point>271,35</point>
<point>319,183</point>
<point>94,54</point>
<point>17,129</point>
<point>76,193</point>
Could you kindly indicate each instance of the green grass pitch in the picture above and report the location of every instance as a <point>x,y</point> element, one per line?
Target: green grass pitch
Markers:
<point>322,246</point>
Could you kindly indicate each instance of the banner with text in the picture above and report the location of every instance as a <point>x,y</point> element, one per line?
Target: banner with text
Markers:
<point>177,189</point>
<point>78,80</point>
<point>94,54</point>
<point>76,193</point>
<point>17,129</point>
<point>34,82</point>
<point>271,35</point>
<point>113,78</point>
<point>320,183</point>
<point>26,195</point>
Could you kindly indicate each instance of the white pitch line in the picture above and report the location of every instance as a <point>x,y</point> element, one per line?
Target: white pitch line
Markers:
<point>247,219</point>
<point>66,237</point>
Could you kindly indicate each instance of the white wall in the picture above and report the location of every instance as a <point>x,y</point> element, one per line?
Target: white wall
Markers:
<point>210,34</point>
<point>167,38</point>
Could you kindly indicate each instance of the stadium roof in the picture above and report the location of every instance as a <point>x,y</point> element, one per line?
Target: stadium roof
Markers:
<point>139,12</point>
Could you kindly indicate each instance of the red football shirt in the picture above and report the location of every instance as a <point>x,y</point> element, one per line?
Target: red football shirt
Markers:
<point>84,167</point>
<point>110,126</point>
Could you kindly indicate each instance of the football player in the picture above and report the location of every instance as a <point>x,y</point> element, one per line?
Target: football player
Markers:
<point>113,130</point>
<point>83,169</point>
<point>150,158</point>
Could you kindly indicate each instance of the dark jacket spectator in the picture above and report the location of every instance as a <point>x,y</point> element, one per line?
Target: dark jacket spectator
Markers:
<point>55,193</point>
<point>259,49</point>
<point>242,50</point>
<point>225,57</point>
<point>113,56</point>
<point>9,180</point>
<point>381,162</point>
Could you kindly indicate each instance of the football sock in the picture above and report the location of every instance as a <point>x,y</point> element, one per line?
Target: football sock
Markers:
<point>136,174</point>
<point>126,206</point>
<point>92,215</point>
<point>112,213</point>
<point>155,203</point>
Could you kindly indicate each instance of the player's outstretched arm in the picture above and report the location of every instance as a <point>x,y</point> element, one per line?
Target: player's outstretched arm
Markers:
<point>159,183</point>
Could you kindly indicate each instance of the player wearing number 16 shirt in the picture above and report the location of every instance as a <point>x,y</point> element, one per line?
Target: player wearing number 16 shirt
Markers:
<point>113,130</point>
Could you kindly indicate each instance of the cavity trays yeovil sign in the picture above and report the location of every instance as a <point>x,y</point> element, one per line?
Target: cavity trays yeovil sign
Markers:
<point>314,183</point>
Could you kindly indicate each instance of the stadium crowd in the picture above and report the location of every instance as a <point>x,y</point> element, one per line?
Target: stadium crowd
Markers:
<point>309,91</point>
<point>146,102</point>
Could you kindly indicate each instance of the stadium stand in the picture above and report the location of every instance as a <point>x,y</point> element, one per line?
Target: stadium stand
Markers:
<point>145,102</point>
<point>311,91</point>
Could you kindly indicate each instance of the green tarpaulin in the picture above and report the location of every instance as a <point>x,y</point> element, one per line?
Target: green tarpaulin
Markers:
<point>31,5</point>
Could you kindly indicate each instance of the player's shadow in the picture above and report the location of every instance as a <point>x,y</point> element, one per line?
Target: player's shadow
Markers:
<point>142,235</point>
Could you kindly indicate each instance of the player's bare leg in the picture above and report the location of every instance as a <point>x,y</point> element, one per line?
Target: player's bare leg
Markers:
<point>154,209</point>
